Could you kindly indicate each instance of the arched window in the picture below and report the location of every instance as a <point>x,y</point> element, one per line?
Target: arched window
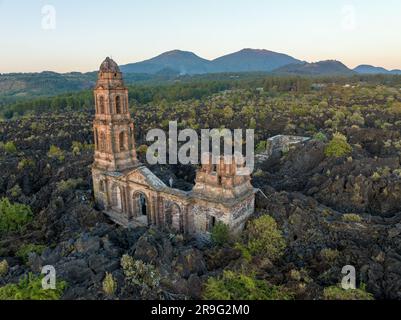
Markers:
<point>121,140</point>
<point>140,206</point>
<point>101,105</point>
<point>118,105</point>
<point>96,139</point>
<point>116,198</point>
<point>102,142</point>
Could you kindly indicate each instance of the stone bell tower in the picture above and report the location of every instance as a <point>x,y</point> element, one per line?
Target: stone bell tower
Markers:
<point>113,126</point>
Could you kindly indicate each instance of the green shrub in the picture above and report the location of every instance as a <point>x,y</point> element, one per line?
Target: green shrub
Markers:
<point>70,184</point>
<point>26,163</point>
<point>320,136</point>
<point>264,238</point>
<point>139,273</point>
<point>109,285</point>
<point>76,147</point>
<point>30,288</point>
<point>338,146</point>
<point>25,250</point>
<point>351,217</point>
<point>10,147</point>
<point>220,234</point>
<point>261,147</point>
<point>337,293</point>
<point>3,268</point>
<point>56,152</point>
<point>238,286</point>
<point>244,251</point>
<point>13,217</point>
<point>142,149</point>
<point>16,191</point>
<point>329,255</point>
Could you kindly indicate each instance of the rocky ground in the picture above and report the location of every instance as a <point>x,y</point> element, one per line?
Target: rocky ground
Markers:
<point>310,196</point>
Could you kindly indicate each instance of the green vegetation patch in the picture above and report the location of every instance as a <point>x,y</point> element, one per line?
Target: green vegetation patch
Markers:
<point>337,293</point>
<point>338,146</point>
<point>13,217</point>
<point>30,288</point>
<point>237,286</point>
<point>25,250</point>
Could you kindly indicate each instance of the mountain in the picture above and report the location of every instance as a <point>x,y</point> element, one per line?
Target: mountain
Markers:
<point>44,83</point>
<point>249,60</point>
<point>328,67</point>
<point>368,69</point>
<point>183,62</point>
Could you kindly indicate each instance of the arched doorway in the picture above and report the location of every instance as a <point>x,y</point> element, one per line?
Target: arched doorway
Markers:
<point>173,217</point>
<point>141,208</point>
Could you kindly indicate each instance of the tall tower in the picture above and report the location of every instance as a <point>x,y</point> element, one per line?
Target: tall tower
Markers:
<point>113,126</point>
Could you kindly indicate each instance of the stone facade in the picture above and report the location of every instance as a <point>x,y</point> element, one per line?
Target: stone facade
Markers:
<point>131,195</point>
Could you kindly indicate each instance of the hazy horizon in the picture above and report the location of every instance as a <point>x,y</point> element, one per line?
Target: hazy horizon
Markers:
<point>65,37</point>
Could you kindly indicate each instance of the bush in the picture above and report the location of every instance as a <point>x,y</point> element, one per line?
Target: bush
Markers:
<point>70,184</point>
<point>76,147</point>
<point>3,268</point>
<point>30,288</point>
<point>329,255</point>
<point>26,163</point>
<point>338,146</point>
<point>261,147</point>
<point>237,286</point>
<point>337,293</point>
<point>56,152</point>
<point>109,285</point>
<point>246,255</point>
<point>10,147</point>
<point>264,238</point>
<point>13,217</point>
<point>351,217</point>
<point>220,234</point>
<point>15,191</point>
<point>139,273</point>
<point>25,250</point>
<point>320,136</point>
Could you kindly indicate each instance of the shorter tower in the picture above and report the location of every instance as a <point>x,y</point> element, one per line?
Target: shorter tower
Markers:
<point>222,193</point>
<point>113,127</point>
<point>221,181</point>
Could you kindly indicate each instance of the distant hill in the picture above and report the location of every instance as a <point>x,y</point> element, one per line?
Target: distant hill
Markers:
<point>251,60</point>
<point>44,83</point>
<point>183,62</point>
<point>328,67</point>
<point>368,69</point>
<point>175,66</point>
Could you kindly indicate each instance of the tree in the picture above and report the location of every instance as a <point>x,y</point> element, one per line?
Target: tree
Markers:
<point>220,234</point>
<point>264,238</point>
<point>13,217</point>
<point>338,146</point>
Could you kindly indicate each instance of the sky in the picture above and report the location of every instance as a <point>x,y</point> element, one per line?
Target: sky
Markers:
<point>76,35</point>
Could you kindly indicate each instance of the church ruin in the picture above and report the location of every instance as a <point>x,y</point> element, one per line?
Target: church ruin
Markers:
<point>131,195</point>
